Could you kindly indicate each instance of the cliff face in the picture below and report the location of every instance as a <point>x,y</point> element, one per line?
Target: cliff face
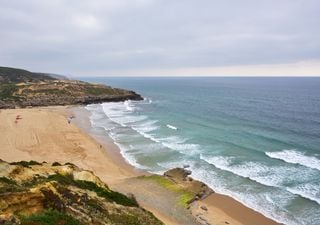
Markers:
<point>39,193</point>
<point>20,88</point>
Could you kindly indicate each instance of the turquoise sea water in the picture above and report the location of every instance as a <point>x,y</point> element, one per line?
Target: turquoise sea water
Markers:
<point>255,139</point>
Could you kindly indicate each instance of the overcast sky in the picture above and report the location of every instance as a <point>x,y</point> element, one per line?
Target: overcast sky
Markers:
<point>161,37</point>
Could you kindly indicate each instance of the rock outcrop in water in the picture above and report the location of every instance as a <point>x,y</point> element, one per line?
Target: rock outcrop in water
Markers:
<point>21,88</point>
<point>34,193</point>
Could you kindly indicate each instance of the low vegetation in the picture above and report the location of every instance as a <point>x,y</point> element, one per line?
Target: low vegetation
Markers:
<point>26,163</point>
<point>49,217</point>
<point>105,193</point>
<point>7,92</point>
<point>7,181</point>
<point>33,193</point>
<point>102,91</point>
<point>185,196</point>
<point>21,88</point>
<point>13,75</point>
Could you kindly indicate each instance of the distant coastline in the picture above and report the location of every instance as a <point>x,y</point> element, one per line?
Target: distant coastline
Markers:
<point>21,88</point>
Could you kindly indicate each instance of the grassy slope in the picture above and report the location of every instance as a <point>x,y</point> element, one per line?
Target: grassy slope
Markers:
<point>13,75</point>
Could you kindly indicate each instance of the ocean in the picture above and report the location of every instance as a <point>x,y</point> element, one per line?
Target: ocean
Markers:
<point>254,139</point>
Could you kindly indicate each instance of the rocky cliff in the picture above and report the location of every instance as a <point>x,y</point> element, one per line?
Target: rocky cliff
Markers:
<point>21,88</point>
<point>34,193</point>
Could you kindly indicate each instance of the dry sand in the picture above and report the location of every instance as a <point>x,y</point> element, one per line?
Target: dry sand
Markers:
<point>44,134</point>
<point>222,210</point>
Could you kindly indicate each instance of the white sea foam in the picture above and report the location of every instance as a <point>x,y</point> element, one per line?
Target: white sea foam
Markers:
<point>254,171</point>
<point>122,115</point>
<point>256,202</point>
<point>128,105</point>
<point>189,149</point>
<point>172,127</point>
<point>146,135</point>
<point>173,139</point>
<point>269,176</point>
<point>295,157</point>
<point>309,191</point>
<point>147,101</point>
<point>177,163</point>
<point>129,157</point>
<point>179,144</point>
<point>118,113</point>
<point>147,126</point>
<point>172,142</point>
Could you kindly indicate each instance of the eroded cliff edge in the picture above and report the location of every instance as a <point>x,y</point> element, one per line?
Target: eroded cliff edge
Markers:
<point>32,193</point>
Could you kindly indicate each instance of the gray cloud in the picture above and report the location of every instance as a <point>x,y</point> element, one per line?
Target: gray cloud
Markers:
<point>99,37</point>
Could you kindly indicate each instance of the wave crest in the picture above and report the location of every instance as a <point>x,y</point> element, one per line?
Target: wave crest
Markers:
<point>295,157</point>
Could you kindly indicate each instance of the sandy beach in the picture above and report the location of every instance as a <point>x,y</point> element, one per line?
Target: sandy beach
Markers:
<point>44,134</point>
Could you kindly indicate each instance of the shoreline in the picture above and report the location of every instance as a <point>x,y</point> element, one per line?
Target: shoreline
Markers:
<point>82,121</point>
<point>51,138</point>
<point>226,204</point>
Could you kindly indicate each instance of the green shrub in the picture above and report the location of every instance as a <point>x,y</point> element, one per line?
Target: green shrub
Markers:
<point>125,219</point>
<point>100,191</point>
<point>51,91</point>
<point>7,91</point>
<point>7,180</point>
<point>37,179</point>
<point>62,179</point>
<point>25,163</point>
<point>93,90</point>
<point>107,194</point>
<point>56,164</point>
<point>49,217</point>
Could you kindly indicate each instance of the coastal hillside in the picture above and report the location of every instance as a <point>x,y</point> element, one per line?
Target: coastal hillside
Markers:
<point>14,75</point>
<point>21,88</point>
<point>35,193</point>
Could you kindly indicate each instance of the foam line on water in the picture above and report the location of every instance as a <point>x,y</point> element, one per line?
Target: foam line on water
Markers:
<point>129,157</point>
<point>308,191</point>
<point>171,142</point>
<point>121,114</point>
<point>146,127</point>
<point>172,127</point>
<point>296,157</point>
<point>176,143</point>
<point>268,176</point>
<point>128,105</point>
<point>249,170</point>
<point>254,201</point>
<point>145,134</point>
